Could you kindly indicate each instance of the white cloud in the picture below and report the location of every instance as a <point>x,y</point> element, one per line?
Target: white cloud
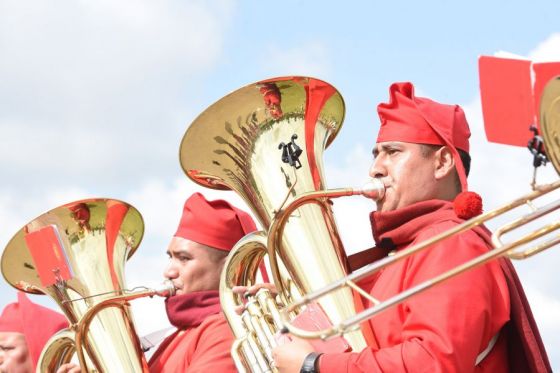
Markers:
<point>86,86</point>
<point>94,98</point>
<point>97,48</point>
<point>548,50</point>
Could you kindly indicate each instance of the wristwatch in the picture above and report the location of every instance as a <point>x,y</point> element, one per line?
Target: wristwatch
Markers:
<point>310,363</point>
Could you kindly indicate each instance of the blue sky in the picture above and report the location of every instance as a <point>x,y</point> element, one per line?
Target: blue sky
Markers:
<point>96,96</point>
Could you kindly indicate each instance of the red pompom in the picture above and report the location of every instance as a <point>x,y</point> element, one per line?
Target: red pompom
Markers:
<point>467,205</point>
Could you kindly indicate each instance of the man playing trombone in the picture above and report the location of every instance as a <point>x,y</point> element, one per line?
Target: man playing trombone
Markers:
<point>478,321</point>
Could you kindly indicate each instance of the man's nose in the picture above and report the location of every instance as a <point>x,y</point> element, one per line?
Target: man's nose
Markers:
<point>377,169</point>
<point>170,272</point>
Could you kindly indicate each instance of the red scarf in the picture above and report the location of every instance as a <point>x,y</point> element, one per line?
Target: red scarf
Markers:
<point>190,310</point>
<point>398,228</point>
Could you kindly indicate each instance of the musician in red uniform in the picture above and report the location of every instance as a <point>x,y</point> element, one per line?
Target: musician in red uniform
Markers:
<point>478,321</point>
<point>25,328</point>
<point>207,232</point>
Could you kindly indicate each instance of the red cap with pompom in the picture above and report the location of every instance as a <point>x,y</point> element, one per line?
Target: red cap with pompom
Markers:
<point>420,120</point>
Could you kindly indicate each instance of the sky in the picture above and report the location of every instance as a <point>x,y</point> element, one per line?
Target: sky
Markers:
<point>96,96</point>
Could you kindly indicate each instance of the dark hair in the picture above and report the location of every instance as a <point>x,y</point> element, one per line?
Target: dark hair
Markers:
<point>215,255</point>
<point>427,149</point>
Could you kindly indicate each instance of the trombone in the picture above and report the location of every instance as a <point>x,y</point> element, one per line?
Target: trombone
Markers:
<point>550,125</point>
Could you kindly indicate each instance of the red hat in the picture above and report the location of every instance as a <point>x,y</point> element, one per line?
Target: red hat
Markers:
<point>213,223</point>
<point>35,322</point>
<point>420,120</point>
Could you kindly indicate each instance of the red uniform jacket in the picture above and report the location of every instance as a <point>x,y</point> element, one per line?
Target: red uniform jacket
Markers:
<point>445,328</point>
<point>203,347</point>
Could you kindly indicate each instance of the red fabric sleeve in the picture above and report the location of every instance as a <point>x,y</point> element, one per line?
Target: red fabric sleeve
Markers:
<point>212,353</point>
<point>441,330</point>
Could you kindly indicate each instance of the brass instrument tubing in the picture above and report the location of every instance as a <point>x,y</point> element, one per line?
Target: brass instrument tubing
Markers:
<point>535,250</point>
<point>254,346</point>
<point>267,302</point>
<point>236,355</point>
<point>251,317</point>
<point>266,328</point>
<point>263,321</point>
<point>362,292</point>
<point>402,254</point>
<point>133,290</point>
<point>288,193</point>
<point>277,227</point>
<point>481,259</point>
<point>246,354</point>
<point>247,344</point>
<point>118,301</point>
<point>496,238</point>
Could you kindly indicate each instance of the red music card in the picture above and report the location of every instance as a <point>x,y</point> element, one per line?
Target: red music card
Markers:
<point>510,92</point>
<point>48,255</point>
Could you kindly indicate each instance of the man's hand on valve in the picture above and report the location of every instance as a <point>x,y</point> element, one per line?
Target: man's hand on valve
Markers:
<point>247,291</point>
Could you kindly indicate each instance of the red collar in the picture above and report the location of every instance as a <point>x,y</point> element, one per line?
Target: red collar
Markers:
<point>393,229</point>
<point>190,310</point>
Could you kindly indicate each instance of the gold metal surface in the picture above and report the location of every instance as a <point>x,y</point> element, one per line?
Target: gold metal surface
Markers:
<point>234,144</point>
<point>516,249</point>
<point>97,236</point>
<point>550,121</point>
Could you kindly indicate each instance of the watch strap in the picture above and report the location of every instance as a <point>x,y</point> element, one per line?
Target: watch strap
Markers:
<point>310,363</point>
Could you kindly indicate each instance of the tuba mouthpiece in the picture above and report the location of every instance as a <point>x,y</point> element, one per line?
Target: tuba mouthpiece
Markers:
<point>374,189</point>
<point>165,289</point>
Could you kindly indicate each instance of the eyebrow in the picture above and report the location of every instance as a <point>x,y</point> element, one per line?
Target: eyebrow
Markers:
<point>388,146</point>
<point>178,252</point>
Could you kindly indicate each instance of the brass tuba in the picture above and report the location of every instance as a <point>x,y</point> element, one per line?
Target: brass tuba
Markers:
<point>265,141</point>
<point>76,253</point>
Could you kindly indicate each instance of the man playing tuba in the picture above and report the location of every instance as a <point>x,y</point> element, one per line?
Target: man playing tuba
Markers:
<point>478,321</point>
<point>206,233</point>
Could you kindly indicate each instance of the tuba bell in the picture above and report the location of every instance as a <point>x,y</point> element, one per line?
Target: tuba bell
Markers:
<point>265,141</point>
<point>76,253</point>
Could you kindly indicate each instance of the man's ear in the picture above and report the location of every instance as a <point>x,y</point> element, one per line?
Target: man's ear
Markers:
<point>444,163</point>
